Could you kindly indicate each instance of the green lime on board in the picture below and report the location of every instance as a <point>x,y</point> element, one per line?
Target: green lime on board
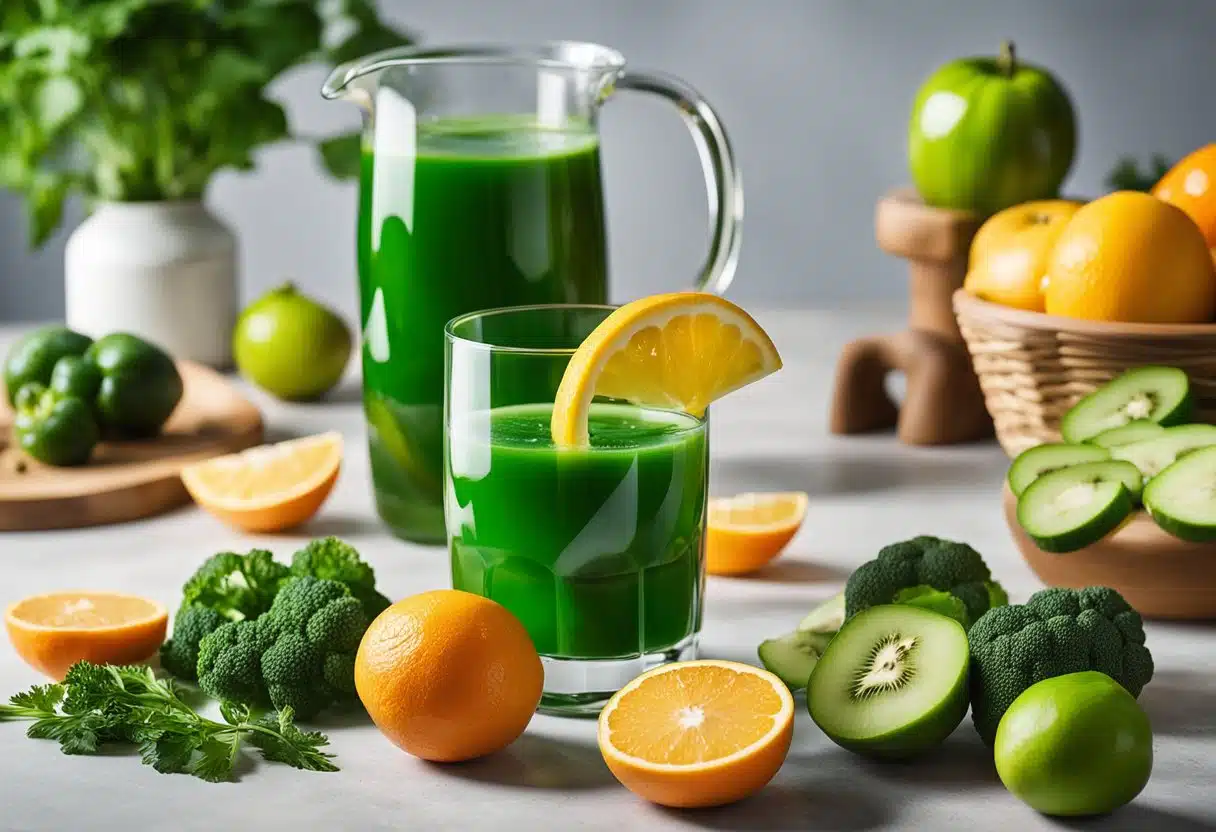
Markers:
<point>290,345</point>
<point>1075,745</point>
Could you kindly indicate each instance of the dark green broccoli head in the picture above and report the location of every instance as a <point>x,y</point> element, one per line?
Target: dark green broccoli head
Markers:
<point>1057,631</point>
<point>300,654</point>
<point>923,562</point>
<point>238,586</point>
<point>179,655</point>
<point>336,560</point>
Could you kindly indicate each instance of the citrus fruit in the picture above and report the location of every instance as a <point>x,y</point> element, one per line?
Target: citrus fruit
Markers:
<point>52,632</point>
<point>271,487</point>
<point>1075,745</point>
<point>747,531</point>
<point>1191,185</point>
<point>290,345</point>
<point>1130,257</point>
<point>697,733</point>
<point>448,675</point>
<point>679,351</point>
<point>1010,250</point>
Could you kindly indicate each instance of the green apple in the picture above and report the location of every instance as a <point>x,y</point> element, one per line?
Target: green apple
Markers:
<point>987,133</point>
<point>1075,745</point>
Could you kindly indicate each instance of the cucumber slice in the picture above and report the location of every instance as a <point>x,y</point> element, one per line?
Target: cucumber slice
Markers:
<point>1074,507</point>
<point>1182,498</point>
<point>1153,456</point>
<point>1136,431</point>
<point>1033,463</point>
<point>893,682</point>
<point>792,656</point>
<point>1154,394</point>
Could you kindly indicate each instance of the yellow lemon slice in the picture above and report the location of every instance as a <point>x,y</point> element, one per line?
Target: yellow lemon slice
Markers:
<point>678,351</point>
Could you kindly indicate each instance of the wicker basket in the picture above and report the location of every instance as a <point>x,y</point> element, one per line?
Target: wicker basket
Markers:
<point>1033,367</point>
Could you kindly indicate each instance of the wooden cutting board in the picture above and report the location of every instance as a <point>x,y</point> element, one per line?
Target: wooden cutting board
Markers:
<point>127,480</point>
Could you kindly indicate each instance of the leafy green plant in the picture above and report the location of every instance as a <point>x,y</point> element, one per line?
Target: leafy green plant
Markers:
<point>140,100</point>
<point>1127,176</point>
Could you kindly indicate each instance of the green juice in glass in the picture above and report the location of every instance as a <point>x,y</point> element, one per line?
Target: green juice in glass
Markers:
<point>599,551</point>
<point>481,213</point>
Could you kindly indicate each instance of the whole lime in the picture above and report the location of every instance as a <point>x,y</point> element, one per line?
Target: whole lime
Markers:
<point>1075,745</point>
<point>290,345</point>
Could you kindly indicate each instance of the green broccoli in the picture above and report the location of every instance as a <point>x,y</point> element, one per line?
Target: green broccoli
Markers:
<point>1057,631</point>
<point>300,654</point>
<point>336,560</point>
<point>919,571</point>
<point>227,587</point>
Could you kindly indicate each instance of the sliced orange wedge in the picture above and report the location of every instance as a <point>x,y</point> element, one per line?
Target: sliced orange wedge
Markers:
<point>746,531</point>
<point>697,733</point>
<point>52,632</point>
<point>271,487</point>
<point>677,351</point>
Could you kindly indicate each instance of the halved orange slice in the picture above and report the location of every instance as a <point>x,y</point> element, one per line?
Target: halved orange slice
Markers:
<point>746,531</point>
<point>697,733</point>
<point>271,487</point>
<point>678,351</point>
<point>52,632</point>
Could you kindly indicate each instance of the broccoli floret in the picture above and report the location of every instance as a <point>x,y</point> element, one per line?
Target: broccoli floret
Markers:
<point>238,586</point>
<point>918,567</point>
<point>1057,631</point>
<point>336,560</point>
<point>179,655</point>
<point>300,654</point>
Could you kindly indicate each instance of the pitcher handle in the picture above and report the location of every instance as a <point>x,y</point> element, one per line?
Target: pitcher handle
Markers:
<point>723,181</point>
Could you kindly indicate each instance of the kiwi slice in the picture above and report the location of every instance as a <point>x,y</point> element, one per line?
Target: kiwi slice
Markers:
<point>792,656</point>
<point>1152,456</point>
<point>1136,431</point>
<point>1182,498</point>
<point>1074,507</point>
<point>1033,463</point>
<point>892,683</point>
<point>1153,394</point>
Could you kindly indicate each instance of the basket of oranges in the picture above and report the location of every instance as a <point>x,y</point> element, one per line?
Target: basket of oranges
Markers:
<point>1062,296</point>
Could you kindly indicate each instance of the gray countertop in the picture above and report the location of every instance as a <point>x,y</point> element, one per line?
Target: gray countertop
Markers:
<point>865,492</point>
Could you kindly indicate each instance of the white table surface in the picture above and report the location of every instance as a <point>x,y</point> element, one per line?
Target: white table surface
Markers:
<point>865,492</point>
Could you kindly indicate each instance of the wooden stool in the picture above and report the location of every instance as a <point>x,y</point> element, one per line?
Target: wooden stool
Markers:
<point>943,404</point>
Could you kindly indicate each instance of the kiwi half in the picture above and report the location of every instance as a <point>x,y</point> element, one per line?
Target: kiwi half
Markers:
<point>892,683</point>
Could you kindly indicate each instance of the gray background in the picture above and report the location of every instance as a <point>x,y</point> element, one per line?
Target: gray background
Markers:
<point>815,95</point>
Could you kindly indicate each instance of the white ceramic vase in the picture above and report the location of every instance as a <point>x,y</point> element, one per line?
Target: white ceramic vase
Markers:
<point>165,271</point>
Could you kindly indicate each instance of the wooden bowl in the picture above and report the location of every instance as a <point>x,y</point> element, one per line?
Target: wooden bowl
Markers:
<point>1034,367</point>
<point>1161,576</point>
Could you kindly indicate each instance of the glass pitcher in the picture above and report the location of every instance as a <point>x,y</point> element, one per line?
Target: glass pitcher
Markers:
<point>480,188</point>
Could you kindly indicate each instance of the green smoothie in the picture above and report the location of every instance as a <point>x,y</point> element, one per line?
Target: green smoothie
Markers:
<point>481,214</point>
<point>599,552</point>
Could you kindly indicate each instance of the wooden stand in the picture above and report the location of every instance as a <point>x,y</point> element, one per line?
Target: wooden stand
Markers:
<point>943,404</point>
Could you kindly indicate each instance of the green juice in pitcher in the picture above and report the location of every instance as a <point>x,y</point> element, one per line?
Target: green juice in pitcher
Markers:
<point>479,214</point>
<point>598,551</point>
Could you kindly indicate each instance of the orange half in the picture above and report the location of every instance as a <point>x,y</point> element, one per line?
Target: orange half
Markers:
<point>271,487</point>
<point>746,531</point>
<point>697,733</point>
<point>52,632</point>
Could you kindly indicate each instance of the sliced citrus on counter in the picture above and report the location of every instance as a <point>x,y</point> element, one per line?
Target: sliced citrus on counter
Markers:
<point>52,632</point>
<point>697,733</point>
<point>747,531</point>
<point>271,487</point>
<point>678,351</point>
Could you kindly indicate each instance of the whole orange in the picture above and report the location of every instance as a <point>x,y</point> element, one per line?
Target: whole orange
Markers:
<point>1191,185</point>
<point>1010,250</point>
<point>1131,257</point>
<point>448,675</point>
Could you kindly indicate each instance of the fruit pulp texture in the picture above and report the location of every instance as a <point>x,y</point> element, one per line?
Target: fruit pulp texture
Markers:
<point>599,551</point>
<point>485,213</point>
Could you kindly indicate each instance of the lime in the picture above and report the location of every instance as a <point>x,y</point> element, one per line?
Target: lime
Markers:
<point>1075,745</point>
<point>290,345</point>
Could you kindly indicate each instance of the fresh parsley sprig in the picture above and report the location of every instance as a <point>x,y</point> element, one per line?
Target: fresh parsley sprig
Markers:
<point>98,705</point>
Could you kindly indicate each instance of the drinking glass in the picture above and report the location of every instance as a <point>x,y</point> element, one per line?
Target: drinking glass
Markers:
<point>599,551</point>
